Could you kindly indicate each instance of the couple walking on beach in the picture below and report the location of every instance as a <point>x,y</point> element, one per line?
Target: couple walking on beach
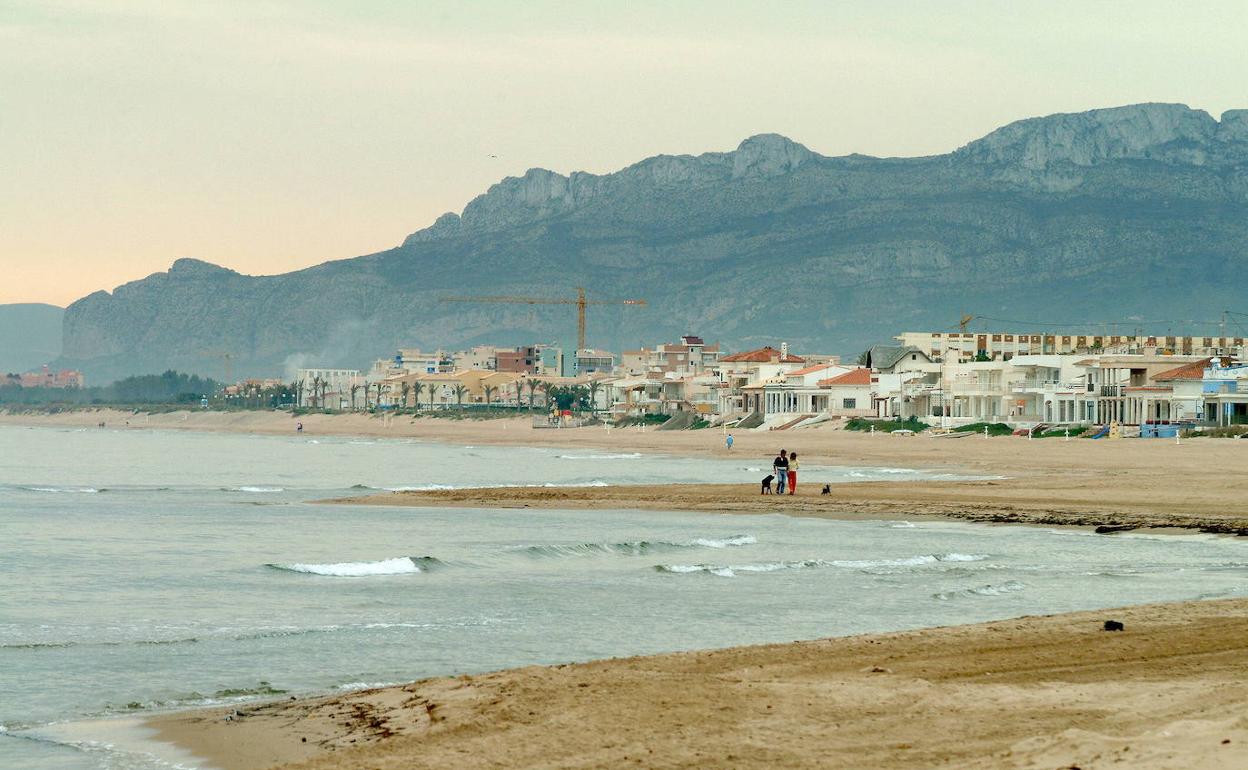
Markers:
<point>785,469</point>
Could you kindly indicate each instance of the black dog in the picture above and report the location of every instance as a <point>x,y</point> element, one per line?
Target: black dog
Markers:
<point>827,489</point>
<point>767,484</point>
<point>1113,625</point>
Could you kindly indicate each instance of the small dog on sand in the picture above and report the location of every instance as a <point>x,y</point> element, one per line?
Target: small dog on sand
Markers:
<point>827,489</point>
<point>767,484</point>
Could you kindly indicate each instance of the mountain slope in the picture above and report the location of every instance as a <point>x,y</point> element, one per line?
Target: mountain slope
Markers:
<point>1091,216</point>
<point>30,336</point>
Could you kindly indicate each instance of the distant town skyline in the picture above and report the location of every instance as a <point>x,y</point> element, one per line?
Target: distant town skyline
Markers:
<point>270,137</point>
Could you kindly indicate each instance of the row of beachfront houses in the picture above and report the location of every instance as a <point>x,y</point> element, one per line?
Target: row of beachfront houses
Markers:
<point>773,388</point>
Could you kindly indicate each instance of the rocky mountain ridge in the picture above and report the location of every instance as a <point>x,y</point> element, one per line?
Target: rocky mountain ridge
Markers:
<point>1085,216</point>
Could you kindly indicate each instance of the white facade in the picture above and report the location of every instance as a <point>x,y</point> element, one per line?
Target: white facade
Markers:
<point>328,388</point>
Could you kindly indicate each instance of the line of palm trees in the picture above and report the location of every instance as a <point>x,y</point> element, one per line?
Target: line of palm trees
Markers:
<point>573,395</point>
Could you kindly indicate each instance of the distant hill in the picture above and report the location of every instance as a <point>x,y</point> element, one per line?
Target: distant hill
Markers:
<point>1131,211</point>
<point>30,336</point>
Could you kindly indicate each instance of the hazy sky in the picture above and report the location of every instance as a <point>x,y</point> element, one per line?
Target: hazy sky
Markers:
<point>267,135</point>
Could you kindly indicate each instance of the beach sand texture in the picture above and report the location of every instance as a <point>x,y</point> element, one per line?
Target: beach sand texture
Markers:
<point>1038,692</point>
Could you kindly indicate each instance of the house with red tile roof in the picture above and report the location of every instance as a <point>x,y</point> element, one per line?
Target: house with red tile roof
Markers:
<point>744,373</point>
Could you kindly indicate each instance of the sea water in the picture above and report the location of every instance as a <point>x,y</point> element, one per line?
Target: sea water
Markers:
<point>145,570</point>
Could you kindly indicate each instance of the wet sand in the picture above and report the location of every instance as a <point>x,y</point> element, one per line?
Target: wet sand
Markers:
<point>1036,692</point>
<point>1196,483</point>
<point>1053,692</point>
<point>1107,508</point>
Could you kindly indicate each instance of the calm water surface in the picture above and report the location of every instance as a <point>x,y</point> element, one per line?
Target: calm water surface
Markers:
<point>149,570</point>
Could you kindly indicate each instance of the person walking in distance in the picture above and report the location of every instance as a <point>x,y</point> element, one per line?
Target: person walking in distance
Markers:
<point>728,442</point>
<point>780,466</point>
<point>792,472</point>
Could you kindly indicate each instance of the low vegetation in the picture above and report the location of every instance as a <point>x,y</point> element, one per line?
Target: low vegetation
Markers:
<point>991,428</point>
<point>646,419</point>
<point>1074,431</point>
<point>1231,431</point>
<point>172,389</point>
<point>887,426</point>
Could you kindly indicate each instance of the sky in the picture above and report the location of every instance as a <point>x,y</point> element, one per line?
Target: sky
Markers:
<point>270,135</point>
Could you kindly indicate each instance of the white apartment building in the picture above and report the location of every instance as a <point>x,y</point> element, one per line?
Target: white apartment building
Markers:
<point>1004,346</point>
<point>328,388</point>
<point>484,357</point>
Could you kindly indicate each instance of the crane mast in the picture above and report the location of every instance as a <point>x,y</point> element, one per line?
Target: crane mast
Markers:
<point>579,300</point>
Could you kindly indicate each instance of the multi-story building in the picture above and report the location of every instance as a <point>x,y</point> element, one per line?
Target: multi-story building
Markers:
<point>1224,391</point>
<point>740,370</point>
<point>477,357</point>
<point>543,360</point>
<point>691,356</point>
<point>440,390</point>
<point>590,361</point>
<point>328,388</point>
<point>420,362</point>
<point>794,392</point>
<point>967,346</point>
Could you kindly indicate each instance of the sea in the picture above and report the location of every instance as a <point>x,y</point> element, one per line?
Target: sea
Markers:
<point>146,570</point>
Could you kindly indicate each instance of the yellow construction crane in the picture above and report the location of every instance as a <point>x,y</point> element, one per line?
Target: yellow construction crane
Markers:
<point>580,302</point>
<point>964,321</point>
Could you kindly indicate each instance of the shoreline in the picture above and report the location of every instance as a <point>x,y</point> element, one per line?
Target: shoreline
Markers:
<point>1168,688</point>
<point>1165,692</point>
<point>968,501</point>
<point>1195,484</point>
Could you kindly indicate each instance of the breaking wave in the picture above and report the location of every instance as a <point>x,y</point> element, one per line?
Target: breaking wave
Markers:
<point>910,561</point>
<point>255,489</point>
<point>634,547</point>
<point>1008,587</point>
<point>62,490</point>
<point>902,564</point>
<point>400,565</point>
<point>731,570</point>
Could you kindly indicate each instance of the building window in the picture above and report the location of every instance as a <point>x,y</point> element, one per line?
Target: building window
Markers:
<point>849,403</point>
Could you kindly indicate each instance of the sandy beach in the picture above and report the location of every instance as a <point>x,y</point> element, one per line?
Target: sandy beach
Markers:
<point>1037,692</point>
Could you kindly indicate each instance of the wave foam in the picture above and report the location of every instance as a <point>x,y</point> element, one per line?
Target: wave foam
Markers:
<point>731,570</point>
<point>910,561</point>
<point>63,490</point>
<point>256,489</point>
<point>401,565</point>
<point>635,547</point>
<point>1008,587</point>
<point>356,686</point>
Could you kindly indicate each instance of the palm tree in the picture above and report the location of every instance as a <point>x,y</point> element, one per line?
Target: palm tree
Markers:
<point>405,388</point>
<point>431,395</point>
<point>460,390</point>
<point>594,388</point>
<point>355,388</point>
<point>548,391</point>
<point>533,384</point>
<point>377,401</point>
<point>489,390</point>
<point>316,387</point>
<point>297,387</point>
<point>417,389</point>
